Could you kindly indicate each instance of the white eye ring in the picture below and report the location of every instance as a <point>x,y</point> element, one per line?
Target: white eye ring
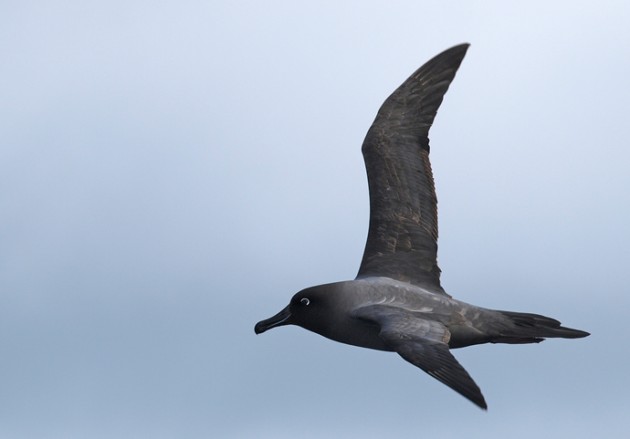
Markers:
<point>305,301</point>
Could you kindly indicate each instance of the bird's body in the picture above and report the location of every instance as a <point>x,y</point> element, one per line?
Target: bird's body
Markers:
<point>345,305</point>
<point>397,303</point>
<point>353,297</point>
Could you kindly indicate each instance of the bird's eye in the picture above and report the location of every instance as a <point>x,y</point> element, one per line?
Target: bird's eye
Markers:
<point>305,301</point>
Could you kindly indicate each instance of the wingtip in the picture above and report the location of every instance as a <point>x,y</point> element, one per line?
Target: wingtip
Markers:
<point>458,50</point>
<point>461,47</point>
<point>464,45</point>
<point>482,404</point>
<point>448,60</point>
<point>476,397</point>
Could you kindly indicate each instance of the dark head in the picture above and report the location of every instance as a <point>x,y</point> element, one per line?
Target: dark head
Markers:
<point>306,309</point>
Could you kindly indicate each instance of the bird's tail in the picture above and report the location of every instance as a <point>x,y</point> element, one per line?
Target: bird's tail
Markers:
<point>534,328</point>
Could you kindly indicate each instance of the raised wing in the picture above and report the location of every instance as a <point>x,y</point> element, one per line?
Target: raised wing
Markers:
<point>423,343</point>
<point>402,238</point>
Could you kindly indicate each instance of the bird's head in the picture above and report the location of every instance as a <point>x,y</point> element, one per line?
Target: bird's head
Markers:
<point>306,309</point>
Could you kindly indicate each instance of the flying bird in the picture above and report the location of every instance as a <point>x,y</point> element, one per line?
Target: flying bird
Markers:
<point>396,303</point>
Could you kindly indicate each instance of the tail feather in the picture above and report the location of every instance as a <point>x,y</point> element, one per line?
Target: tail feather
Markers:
<point>534,328</point>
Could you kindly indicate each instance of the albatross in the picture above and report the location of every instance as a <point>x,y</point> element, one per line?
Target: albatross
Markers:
<point>396,302</point>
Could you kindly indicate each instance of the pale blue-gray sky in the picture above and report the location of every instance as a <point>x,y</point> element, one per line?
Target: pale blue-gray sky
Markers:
<point>172,172</point>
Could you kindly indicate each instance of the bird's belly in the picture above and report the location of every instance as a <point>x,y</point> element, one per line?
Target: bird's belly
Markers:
<point>358,333</point>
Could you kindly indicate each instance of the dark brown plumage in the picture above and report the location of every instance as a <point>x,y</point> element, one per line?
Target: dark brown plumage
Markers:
<point>402,239</point>
<point>397,303</point>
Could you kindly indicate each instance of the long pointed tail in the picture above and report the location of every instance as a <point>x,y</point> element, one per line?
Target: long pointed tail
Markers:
<point>534,328</point>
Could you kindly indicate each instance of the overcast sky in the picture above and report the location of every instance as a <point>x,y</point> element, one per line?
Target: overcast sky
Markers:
<point>173,172</point>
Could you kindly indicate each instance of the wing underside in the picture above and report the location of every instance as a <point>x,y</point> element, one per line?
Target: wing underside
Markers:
<point>423,343</point>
